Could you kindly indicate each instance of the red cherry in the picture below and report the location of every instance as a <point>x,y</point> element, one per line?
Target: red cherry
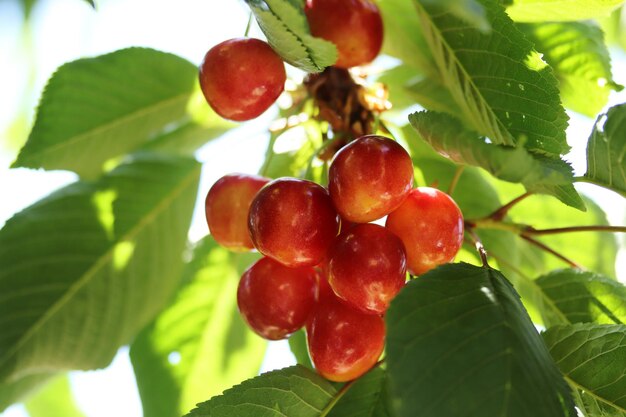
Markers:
<point>226,206</point>
<point>354,26</point>
<point>369,178</point>
<point>293,221</point>
<point>241,78</point>
<point>367,267</point>
<point>430,225</point>
<point>344,342</point>
<point>276,300</point>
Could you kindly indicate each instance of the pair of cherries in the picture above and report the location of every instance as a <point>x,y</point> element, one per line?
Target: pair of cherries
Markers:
<point>337,282</point>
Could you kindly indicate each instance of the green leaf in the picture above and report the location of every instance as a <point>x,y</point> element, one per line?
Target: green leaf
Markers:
<point>285,26</point>
<point>606,151</point>
<point>584,297</point>
<point>448,137</point>
<point>591,357</point>
<point>54,400</point>
<point>560,10</point>
<point>581,62</point>
<point>95,109</point>
<point>470,11</point>
<point>367,397</point>
<point>291,392</point>
<point>497,79</point>
<point>459,343</point>
<point>299,348</point>
<point>21,388</point>
<point>431,95</point>
<point>198,346</point>
<point>83,270</point>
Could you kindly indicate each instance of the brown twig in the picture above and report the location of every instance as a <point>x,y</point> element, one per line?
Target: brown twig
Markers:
<point>596,228</point>
<point>500,213</point>
<point>479,247</point>
<point>550,250</point>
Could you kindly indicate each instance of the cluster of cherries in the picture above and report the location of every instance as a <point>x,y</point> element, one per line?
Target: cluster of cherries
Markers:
<point>243,77</point>
<point>325,266</point>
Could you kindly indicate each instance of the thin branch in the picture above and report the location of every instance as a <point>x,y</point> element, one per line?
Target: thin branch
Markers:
<point>597,228</point>
<point>455,179</point>
<point>550,250</point>
<point>479,247</point>
<point>500,213</point>
<point>245,35</point>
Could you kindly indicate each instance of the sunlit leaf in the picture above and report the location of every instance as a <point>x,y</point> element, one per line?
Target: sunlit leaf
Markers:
<point>54,400</point>
<point>560,10</point>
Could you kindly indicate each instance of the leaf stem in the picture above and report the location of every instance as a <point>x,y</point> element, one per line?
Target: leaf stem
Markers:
<point>248,25</point>
<point>529,230</point>
<point>500,213</point>
<point>455,179</point>
<point>269,154</point>
<point>479,247</point>
<point>550,251</point>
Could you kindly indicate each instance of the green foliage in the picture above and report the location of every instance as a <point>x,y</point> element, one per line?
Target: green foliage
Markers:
<point>21,388</point>
<point>103,255</point>
<point>460,342</point>
<point>368,397</point>
<point>289,392</point>
<point>95,109</point>
<point>591,357</point>
<point>560,10</point>
<point>581,62</point>
<point>54,400</point>
<point>199,345</point>
<point>298,346</point>
<point>583,297</point>
<point>606,165</point>
<point>512,100</point>
<point>469,10</point>
<point>284,24</point>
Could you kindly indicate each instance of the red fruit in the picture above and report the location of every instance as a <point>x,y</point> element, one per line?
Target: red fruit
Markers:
<point>430,225</point>
<point>293,221</point>
<point>227,204</point>
<point>354,26</point>
<point>276,300</point>
<point>241,78</point>
<point>367,267</point>
<point>369,178</point>
<point>344,342</point>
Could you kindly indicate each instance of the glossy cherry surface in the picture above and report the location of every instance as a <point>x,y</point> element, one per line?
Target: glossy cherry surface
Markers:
<point>226,208</point>
<point>293,221</point>
<point>367,267</point>
<point>276,300</point>
<point>354,26</point>
<point>430,225</point>
<point>241,78</point>
<point>344,342</point>
<point>369,178</point>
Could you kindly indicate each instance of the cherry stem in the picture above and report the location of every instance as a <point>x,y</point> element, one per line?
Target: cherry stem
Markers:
<point>479,247</point>
<point>456,178</point>
<point>550,251</point>
<point>500,213</point>
<point>529,230</point>
<point>245,35</point>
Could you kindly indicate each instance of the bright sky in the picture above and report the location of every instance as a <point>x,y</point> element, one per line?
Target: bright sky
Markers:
<point>70,29</point>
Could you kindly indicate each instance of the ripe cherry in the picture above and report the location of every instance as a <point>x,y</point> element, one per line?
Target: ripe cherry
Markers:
<point>430,225</point>
<point>276,300</point>
<point>367,267</point>
<point>293,221</point>
<point>241,78</point>
<point>369,178</point>
<point>354,26</point>
<point>227,204</point>
<point>344,342</point>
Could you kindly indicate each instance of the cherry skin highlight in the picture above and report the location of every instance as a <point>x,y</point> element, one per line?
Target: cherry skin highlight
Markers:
<point>369,178</point>
<point>367,267</point>
<point>354,26</point>
<point>344,342</point>
<point>430,225</point>
<point>226,208</point>
<point>276,300</point>
<point>241,78</point>
<point>293,221</point>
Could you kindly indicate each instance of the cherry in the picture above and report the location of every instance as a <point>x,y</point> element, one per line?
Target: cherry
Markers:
<point>227,204</point>
<point>369,178</point>
<point>276,300</point>
<point>293,221</point>
<point>430,225</point>
<point>344,342</point>
<point>241,78</point>
<point>367,267</point>
<point>354,26</point>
